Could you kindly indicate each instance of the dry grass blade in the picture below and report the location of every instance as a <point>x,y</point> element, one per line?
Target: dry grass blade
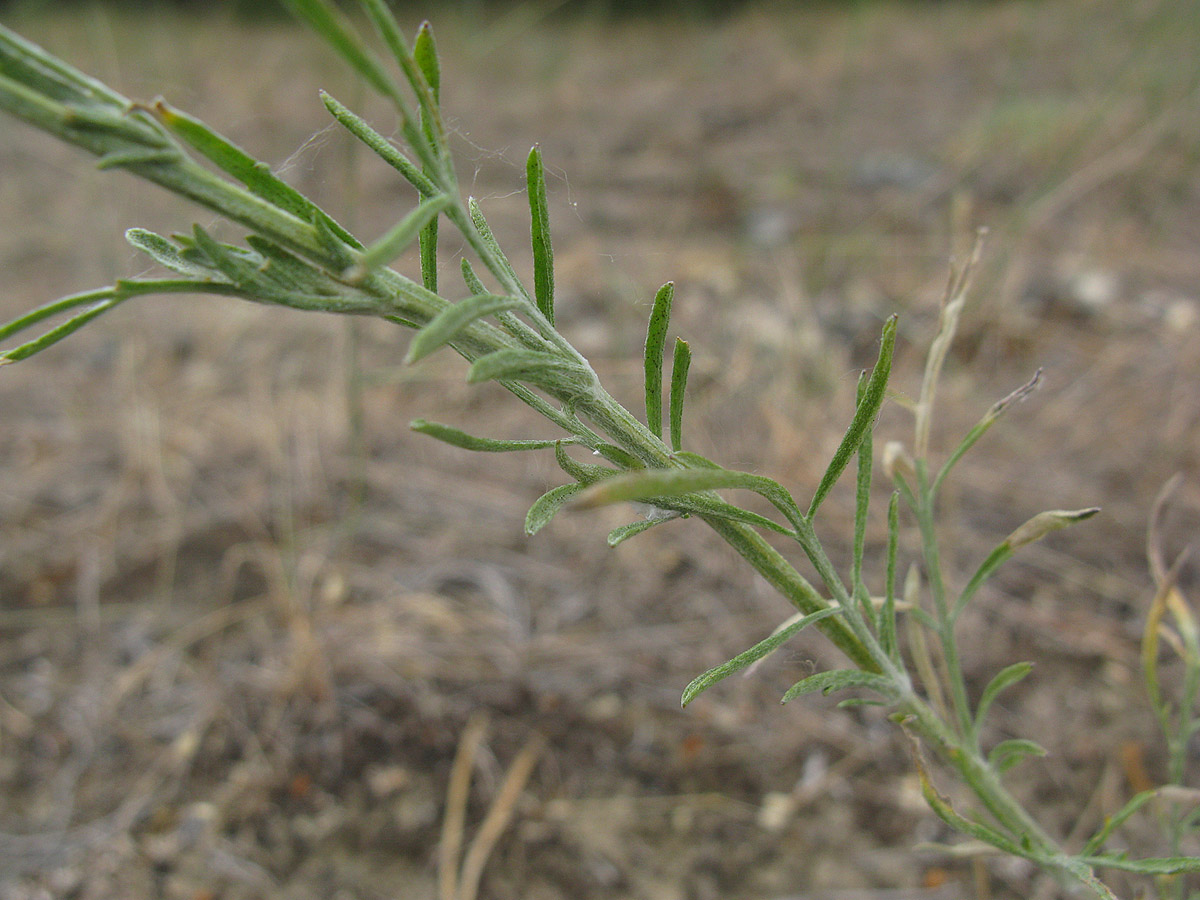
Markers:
<point>450,848</point>
<point>498,817</point>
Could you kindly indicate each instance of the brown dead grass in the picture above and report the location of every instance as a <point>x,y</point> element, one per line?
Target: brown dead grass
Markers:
<point>222,676</point>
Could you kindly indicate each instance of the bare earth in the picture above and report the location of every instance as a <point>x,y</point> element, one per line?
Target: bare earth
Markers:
<point>247,617</point>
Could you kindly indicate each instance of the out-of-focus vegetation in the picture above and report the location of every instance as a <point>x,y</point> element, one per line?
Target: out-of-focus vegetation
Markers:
<point>614,8</point>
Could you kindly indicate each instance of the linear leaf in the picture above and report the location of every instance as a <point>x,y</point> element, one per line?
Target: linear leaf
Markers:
<point>331,25</point>
<point>1167,865</point>
<point>1005,678</point>
<point>451,435</point>
<point>864,417</point>
<point>1007,754</point>
<point>450,322</point>
<point>838,680</point>
<point>679,377</point>
<point>105,299</point>
<point>381,146</point>
<point>486,235</point>
<point>426,57</point>
<point>547,506</point>
<point>474,285</point>
<point>166,254</point>
<point>539,229</point>
<point>400,237</point>
<point>625,532</point>
<point>228,157</point>
<point>653,484</point>
<point>1115,821</point>
<point>550,372</point>
<point>755,653</point>
<point>584,473</point>
<point>656,340</point>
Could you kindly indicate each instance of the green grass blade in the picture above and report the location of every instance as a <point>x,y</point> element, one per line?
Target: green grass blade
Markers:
<point>864,417</point>
<point>453,436</point>
<point>539,229</point>
<point>446,325</point>
<point>679,376</point>
<point>747,657</point>
<point>656,341</point>
<point>399,238</point>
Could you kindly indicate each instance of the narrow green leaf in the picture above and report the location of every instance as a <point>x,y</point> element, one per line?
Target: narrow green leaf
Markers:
<point>620,456</point>
<point>333,26</point>
<point>1113,822</point>
<point>768,645</point>
<point>1032,530</point>
<point>457,438</point>
<point>399,238</point>
<point>103,300</point>
<point>344,253</point>
<point>486,235</point>
<point>582,472</point>
<point>887,618</point>
<point>432,131</point>
<point>381,146</point>
<point>695,460</point>
<point>864,417</point>
<point>230,260</point>
<point>561,376</point>
<point>1169,865</point>
<point>862,503</point>
<point>1007,754</point>
<point>474,285</point>
<point>285,268</point>
<point>543,250</point>
<point>547,506</point>
<point>1005,678</point>
<point>656,341</point>
<point>981,427</point>
<point>679,377</point>
<point>166,254</point>
<point>625,532</point>
<point>427,242</point>
<point>139,156</point>
<point>451,321</point>
<point>839,680</point>
<point>426,57</point>
<point>233,160</point>
<point>652,484</point>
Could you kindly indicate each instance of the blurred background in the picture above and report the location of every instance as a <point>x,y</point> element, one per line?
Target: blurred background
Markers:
<point>246,617</point>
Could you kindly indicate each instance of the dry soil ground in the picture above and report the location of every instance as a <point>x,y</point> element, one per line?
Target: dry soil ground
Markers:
<point>247,618</point>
